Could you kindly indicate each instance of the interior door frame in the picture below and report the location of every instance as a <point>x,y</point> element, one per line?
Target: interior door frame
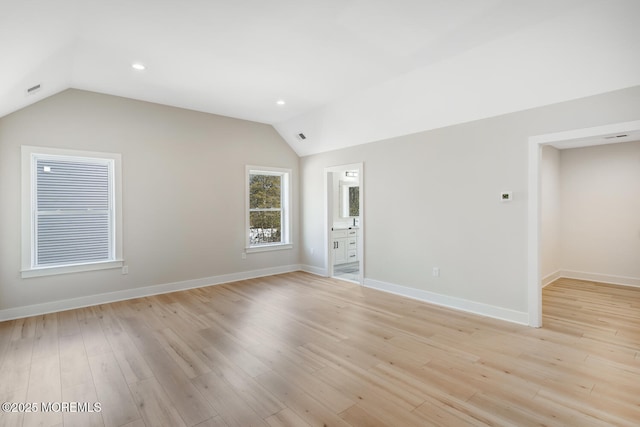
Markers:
<point>328,215</point>
<point>534,279</point>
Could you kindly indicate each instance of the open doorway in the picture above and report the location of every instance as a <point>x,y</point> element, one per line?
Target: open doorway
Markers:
<point>345,222</point>
<point>628,131</point>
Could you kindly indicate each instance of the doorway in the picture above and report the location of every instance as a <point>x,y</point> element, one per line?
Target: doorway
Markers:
<point>344,214</point>
<point>570,139</point>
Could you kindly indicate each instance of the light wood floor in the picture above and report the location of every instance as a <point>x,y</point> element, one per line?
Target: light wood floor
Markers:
<point>299,350</point>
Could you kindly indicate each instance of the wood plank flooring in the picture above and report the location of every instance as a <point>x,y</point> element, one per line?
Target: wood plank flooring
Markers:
<point>300,350</point>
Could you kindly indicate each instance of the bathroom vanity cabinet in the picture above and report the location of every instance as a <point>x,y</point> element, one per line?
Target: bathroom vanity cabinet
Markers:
<point>345,245</point>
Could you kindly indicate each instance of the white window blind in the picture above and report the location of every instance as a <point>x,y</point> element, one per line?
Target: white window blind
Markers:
<point>73,213</point>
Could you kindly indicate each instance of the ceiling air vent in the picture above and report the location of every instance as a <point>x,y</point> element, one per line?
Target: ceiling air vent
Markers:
<point>615,136</point>
<point>34,89</point>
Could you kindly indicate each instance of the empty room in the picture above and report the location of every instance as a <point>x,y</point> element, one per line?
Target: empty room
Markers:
<point>336,213</point>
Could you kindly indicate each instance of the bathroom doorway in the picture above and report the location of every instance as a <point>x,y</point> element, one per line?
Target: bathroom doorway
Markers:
<point>345,222</point>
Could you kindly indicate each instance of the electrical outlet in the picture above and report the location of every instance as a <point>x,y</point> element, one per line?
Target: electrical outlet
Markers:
<point>436,272</point>
<point>311,250</point>
<point>125,269</point>
<point>243,255</point>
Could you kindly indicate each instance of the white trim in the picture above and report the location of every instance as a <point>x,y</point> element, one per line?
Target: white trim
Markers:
<point>550,278</point>
<point>28,154</point>
<point>286,203</point>
<point>534,290</point>
<point>601,278</point>
<point>105,298</point>
<point>318,271</point>
<point>487,310</point>
<point>66,269</point>
<point>269,247</point>
<point>328,221</point>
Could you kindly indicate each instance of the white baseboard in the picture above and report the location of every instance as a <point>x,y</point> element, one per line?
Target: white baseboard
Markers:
<point>89,300</point>
<point>602,278</point>
<point>547,280</point>
<point>418,294</point>
<point>318,271</point>
<point>451,302</point>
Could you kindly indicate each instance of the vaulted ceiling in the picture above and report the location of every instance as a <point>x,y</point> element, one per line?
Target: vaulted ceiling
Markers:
<point>349,71</point>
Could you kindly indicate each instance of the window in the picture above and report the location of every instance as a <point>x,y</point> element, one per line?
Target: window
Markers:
<point>268,212</point>
<point>71,219</point>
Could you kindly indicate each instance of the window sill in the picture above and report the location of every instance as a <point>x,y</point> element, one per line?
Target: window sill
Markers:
<point>266,248</point>
<point>50,271</point>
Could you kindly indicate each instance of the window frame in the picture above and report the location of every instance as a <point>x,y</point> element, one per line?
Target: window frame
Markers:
<point>28,181</point>
<point>285,206</point>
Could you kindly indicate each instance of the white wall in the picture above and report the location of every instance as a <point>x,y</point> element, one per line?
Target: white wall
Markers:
<point>550,262</point>
<point>432,200</point>
<point>600,212</point>
<point>183,192</point>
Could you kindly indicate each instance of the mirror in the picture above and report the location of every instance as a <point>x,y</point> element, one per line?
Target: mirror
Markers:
<point>349,199</point>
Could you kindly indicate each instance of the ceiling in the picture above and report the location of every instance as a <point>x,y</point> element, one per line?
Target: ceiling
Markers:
<point>349,71</point>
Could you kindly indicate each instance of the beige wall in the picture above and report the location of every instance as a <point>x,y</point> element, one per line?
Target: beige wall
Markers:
<point>550,261</point>
<point>600,212</point>
<point>432,200</point>
<point>183,191</point>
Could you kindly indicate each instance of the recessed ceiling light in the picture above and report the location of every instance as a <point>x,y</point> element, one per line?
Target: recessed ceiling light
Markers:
<point>138,66</point>
<point>280,102</point>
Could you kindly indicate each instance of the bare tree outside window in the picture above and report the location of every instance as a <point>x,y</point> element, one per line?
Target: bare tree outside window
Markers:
<point>265,209</point>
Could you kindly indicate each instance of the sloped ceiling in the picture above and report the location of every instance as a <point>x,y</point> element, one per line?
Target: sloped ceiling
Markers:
<point>350,71</point>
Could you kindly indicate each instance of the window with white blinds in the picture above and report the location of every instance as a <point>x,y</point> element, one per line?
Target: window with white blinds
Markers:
<point>73,212</point>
